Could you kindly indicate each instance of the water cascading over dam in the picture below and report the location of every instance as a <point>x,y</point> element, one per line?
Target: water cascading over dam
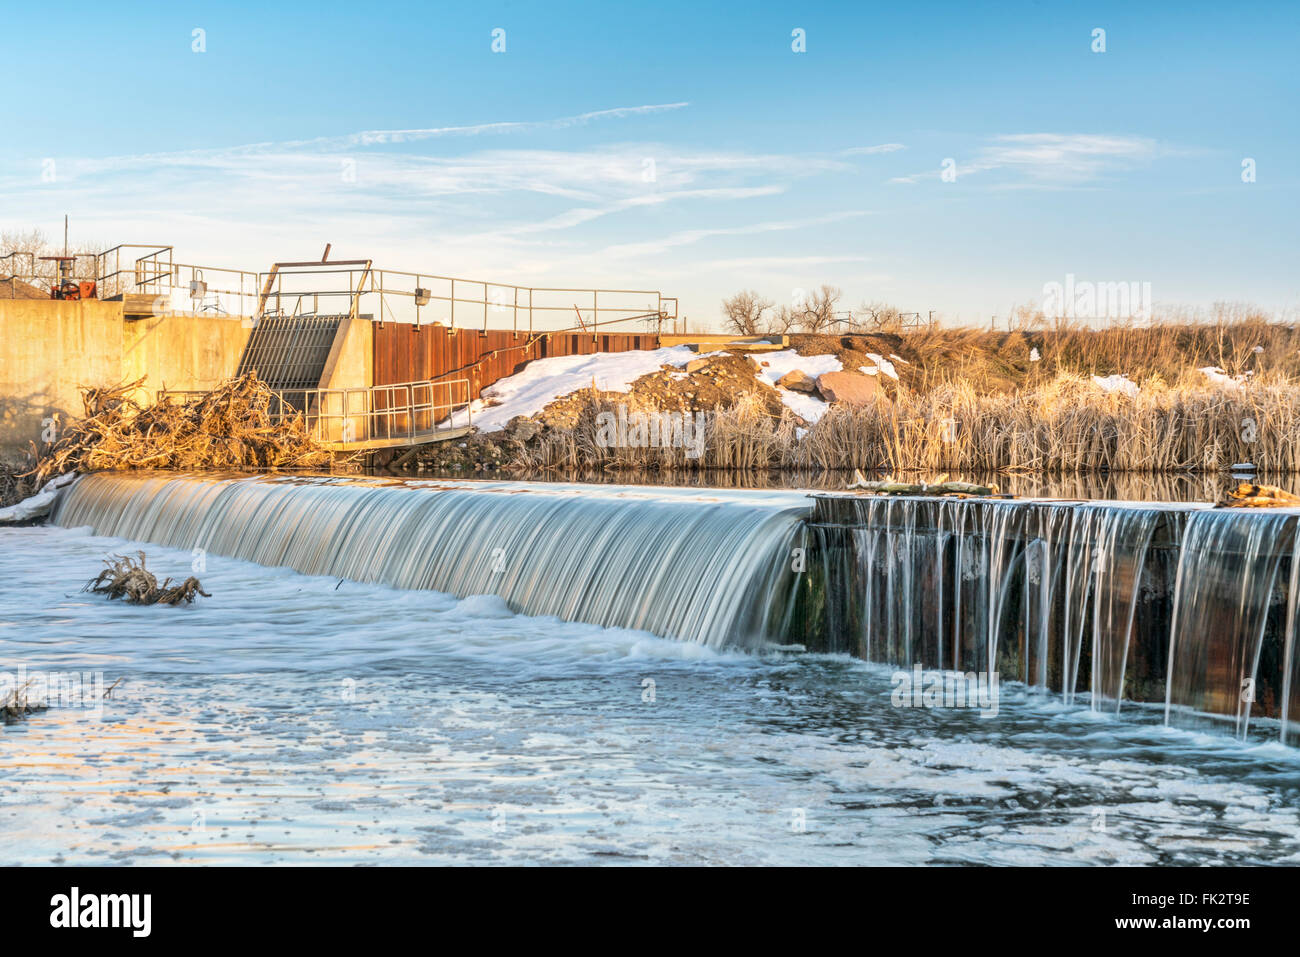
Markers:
<point>669,561</point>
<point>1186,607</point>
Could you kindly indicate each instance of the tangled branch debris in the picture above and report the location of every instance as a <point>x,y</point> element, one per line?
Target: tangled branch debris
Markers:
<point>124,578</point>
<point>229,428</point>
<point>18,704</point>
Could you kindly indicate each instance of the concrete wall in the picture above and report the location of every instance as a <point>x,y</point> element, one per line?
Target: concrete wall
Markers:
<point>348,367</point>
<point>182,352</point>
<point>351,357</point>
<point>49,349</point>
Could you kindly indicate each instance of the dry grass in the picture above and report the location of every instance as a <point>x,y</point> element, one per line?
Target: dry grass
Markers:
<point>1065,426</point>
<point>1235,338</point>
<point>975,402</point>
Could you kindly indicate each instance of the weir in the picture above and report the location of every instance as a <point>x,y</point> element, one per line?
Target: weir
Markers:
<point>1187,606</point>
<point>669,561</point>
<point>1104,603</point>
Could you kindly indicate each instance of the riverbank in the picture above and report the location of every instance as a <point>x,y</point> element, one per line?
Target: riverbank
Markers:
<point>1170,399</point>
<point>1166,399</point>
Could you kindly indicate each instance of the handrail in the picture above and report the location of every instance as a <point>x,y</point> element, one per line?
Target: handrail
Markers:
<point>419,297</point>
<point>405,413</point>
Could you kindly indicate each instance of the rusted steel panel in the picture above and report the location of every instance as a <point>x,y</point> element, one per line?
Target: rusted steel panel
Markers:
<point>406,353</point>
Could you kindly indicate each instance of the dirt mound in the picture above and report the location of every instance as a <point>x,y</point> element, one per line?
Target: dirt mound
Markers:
<point>718,382</point>
<point>17,289</point>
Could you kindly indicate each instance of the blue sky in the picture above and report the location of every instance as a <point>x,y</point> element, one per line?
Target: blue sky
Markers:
<point>679,146</point>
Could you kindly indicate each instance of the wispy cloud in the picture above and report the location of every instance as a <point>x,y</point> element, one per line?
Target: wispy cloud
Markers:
<point>688,237</point>
<point>377,137</point>
<point>873,150</point>
<point>1067,156</point>
<point>1064,158</point>
<point>460,200</point>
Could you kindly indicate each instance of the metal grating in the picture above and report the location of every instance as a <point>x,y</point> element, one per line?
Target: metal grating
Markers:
<point>289,352</point>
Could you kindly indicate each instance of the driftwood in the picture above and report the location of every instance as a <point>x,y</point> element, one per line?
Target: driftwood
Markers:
<point>891,487</point>
<point>18,704</point>
<point>1249,495</point>
<point>123,578</point>
<point>230,428</point>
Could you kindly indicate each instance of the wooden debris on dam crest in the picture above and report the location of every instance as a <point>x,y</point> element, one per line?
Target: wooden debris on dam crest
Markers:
<point>123,578</point>
<point>890,486</point>
<point>229,428</point>
<point>1249,495</point>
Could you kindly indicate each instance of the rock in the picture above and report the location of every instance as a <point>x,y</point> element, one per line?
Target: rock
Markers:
<point>522,429</point>
<point>698,365</point>
<point>798,381</point>
<point>851,388</point>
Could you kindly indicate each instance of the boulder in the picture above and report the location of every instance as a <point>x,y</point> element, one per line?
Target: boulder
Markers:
<point>522,428</point>
<point>851,388</point>
<point>698,365</point>
<point>797,380</point>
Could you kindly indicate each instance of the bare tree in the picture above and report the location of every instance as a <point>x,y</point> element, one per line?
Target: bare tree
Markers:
<point>28,265</point>
<point>817,313</point>
<point>744,312</point>
<point>785,319</point>
<point>877,317</point>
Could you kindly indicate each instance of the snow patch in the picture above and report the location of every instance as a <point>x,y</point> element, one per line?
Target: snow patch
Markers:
<point>35,506</point>
<point>808,407</point>
<point>1116,383</point>
<point>881,365</point>
<point>1221,378</point>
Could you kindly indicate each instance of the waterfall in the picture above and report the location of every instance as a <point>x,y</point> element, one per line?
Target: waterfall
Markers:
<point>1109,546</point>
<point>975,585</point>
<point>674,562</point>
<point>1191,607</point>
<point>1227,577</point>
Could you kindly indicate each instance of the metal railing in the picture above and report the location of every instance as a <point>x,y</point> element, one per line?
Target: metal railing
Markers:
<point>406,413</point>
<point>151,269</point>
<point>184,286</point>
<point>424,298</point>
<point>402,413</point>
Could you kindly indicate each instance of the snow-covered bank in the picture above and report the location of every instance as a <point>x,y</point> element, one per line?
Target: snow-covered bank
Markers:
<point>543,381</point>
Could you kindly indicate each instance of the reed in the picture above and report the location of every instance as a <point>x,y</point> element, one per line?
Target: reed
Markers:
<point>1065,425</point>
